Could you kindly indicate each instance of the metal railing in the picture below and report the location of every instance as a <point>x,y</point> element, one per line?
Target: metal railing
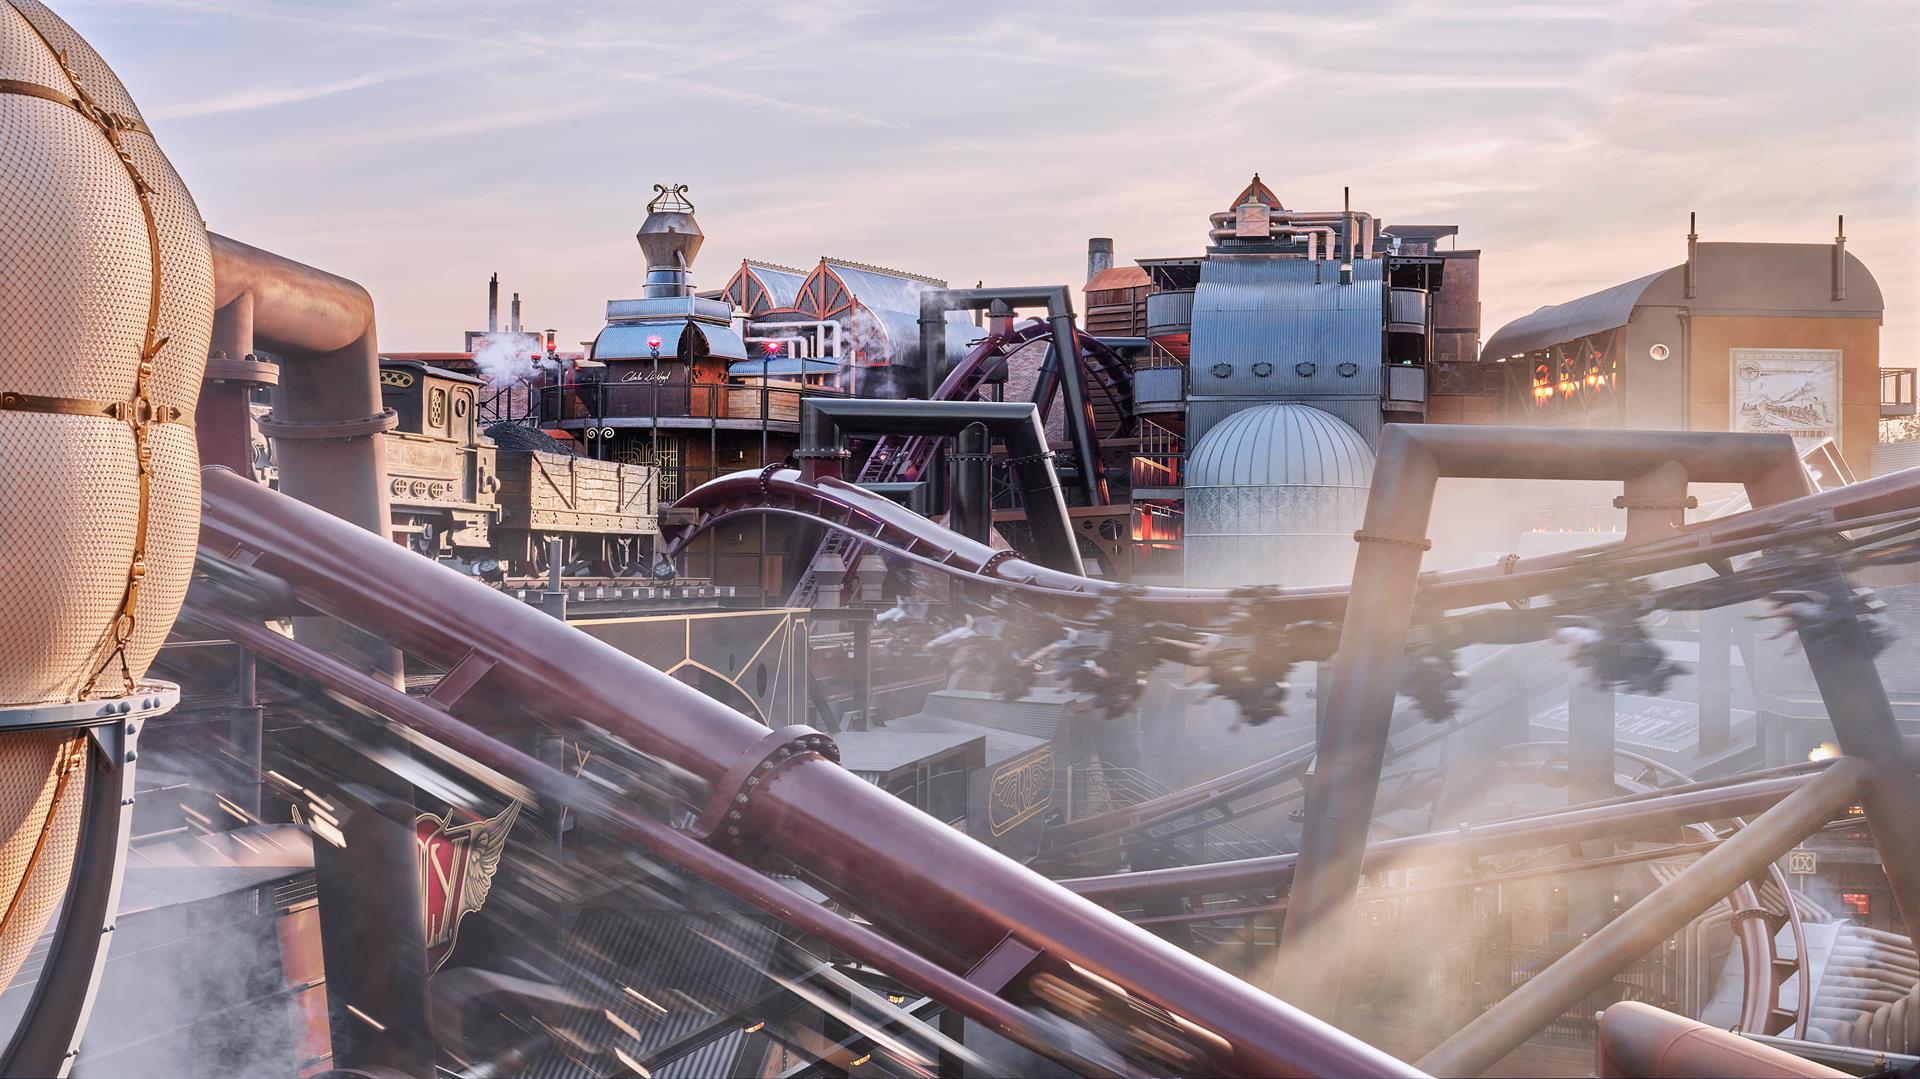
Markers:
<point>1158,469</point>
<point>1896,391</point>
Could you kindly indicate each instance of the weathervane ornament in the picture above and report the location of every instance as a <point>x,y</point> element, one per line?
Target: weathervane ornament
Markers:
<point>670,198</point>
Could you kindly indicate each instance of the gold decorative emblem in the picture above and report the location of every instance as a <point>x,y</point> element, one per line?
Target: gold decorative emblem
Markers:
<point>1020,790</point>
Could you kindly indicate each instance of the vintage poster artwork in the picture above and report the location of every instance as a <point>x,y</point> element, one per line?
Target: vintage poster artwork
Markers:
<point>1793,391</point>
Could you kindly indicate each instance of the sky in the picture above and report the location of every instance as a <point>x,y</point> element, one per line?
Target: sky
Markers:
<point>419,147</point>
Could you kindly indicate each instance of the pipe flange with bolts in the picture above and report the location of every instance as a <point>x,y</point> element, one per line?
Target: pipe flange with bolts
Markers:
<point>720,820</point>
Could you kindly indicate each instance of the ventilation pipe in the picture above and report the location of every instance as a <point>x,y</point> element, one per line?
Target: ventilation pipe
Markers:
<point>493,304</point>
<point>1693,255</point>
<point>326,425</point>
<point>1099,256</point>
<point>1346,256</point>
<point>515,324</point>
<point>1840,258</point>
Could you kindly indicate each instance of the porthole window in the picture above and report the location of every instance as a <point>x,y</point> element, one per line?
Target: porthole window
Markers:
<point>1262,369</point>
<point>1305,368</point>
<point>1348,370</point>
<point>1222,370</point>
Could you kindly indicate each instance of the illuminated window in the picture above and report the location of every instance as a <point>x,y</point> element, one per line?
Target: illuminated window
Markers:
<point>1857,903</point>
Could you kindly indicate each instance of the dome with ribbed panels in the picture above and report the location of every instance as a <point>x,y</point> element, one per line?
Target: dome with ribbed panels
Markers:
<point>1280,445</point>
<point>1274,494</point>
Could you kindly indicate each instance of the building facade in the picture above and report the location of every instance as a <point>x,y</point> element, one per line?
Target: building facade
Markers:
<point>1776,337</point>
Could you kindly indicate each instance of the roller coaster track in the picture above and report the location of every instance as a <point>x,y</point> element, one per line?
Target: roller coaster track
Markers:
<point>879,523</point>
<point>897,458</point>
<point>896,531</point>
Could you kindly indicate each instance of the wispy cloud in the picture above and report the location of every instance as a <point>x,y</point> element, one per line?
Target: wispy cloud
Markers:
<point>249,98</point>
<point>987,140</point>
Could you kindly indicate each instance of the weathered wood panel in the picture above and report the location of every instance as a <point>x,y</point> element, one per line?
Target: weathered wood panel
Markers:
<point>552,492</point>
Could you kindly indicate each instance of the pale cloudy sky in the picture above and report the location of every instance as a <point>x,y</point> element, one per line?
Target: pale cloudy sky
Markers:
<point>416,147</point>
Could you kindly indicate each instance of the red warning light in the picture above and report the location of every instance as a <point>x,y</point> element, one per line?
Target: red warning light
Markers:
<point>653,342</point>
<point>772,347</point>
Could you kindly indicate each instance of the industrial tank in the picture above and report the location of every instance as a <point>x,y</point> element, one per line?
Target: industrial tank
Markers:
<point>1274,495</point>
<point>106,302</point>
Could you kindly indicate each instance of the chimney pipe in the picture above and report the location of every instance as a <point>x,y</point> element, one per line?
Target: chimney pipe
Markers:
<point>1346,256</point>
<point>493,304</point>
<point>1693,254</point>
<point>1099,255</point>
<point>515,326</point>
<point>1840,258</point>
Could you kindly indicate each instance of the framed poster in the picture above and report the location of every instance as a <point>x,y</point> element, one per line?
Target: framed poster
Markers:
<point>1793,391</point>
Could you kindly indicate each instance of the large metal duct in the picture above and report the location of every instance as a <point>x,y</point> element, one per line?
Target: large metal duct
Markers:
<point>106,301</point>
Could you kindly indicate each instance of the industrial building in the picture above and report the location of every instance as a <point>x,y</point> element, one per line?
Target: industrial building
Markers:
<point>1741,336</point>
<point>1352,322</point>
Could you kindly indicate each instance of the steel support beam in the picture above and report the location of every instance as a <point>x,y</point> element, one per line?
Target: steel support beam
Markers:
<point>1058,300</point>
<point>825,424</point>
<point>1523,1013</point>
<point>1412,460</point>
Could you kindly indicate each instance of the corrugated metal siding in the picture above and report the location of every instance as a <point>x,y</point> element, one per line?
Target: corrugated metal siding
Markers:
<point>1268,315</point>
<point>1360,413</point>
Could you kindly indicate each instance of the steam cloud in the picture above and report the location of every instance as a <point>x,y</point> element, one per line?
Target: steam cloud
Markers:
<point>512,357</point>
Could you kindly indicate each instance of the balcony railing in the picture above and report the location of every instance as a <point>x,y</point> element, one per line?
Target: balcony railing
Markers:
<point>1159,469</point>
<point>1896,392</point>
<point>775,402</point>
<point>1169,312</point>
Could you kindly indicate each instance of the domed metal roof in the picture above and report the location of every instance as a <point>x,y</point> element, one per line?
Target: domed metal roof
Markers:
<point>1280,445</point>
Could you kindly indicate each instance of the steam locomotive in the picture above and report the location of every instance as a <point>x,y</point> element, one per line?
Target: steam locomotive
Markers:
<point>500,497</point>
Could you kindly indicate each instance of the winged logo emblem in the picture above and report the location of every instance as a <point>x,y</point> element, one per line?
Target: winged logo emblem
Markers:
<point>457,865</point>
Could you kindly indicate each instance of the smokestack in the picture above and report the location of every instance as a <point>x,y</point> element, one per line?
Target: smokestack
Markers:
<point>1346,256</point>
<point>1840,258</point>
<point>670,238</point>
<point>1693,254</point>
<point>515,327</point>
<point>1099,255</point>
<point>493,305</point>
